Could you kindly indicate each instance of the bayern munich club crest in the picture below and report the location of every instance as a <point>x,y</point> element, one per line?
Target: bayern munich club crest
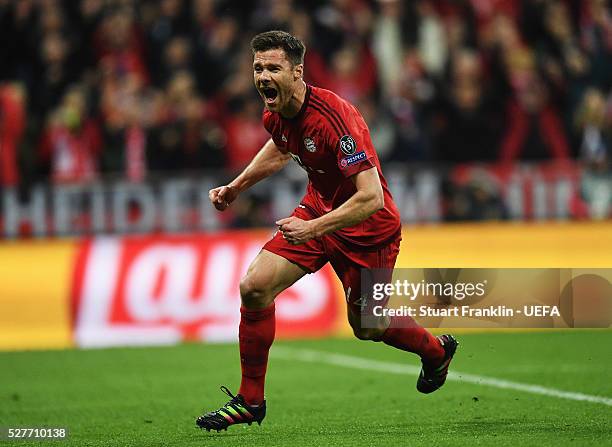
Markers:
<point>348,145</point>
<point>309,144</point>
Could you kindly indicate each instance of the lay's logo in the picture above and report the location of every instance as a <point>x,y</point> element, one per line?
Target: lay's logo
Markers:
<point>167,289</point>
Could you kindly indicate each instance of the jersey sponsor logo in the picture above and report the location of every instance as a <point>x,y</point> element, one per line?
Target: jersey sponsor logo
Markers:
<point>309,144</point>
<point>306,168</point>
<point>354,159</point>
<point>348,146</point>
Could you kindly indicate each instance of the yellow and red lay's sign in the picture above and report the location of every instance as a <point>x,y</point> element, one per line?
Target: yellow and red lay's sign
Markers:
<point>112,291</point>
<point>163,290</point>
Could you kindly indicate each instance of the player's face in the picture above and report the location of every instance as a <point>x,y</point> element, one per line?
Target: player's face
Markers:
<point>275,78</point>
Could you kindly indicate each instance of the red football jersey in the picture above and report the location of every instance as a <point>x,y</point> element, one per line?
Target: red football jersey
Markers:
<point>331,141</point>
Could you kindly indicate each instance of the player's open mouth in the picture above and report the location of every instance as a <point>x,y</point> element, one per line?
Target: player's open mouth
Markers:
<point>270,94</point>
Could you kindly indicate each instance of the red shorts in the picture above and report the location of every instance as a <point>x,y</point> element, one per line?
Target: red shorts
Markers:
<point>347,260</point>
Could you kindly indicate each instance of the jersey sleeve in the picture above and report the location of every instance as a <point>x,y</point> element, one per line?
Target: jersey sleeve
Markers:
<point>272,126</point>
<point>352,146</point>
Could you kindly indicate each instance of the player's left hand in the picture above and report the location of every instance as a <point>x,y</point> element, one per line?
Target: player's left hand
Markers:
<point>295,230</point>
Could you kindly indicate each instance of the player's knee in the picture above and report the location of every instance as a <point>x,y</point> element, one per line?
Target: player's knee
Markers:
<point>365,333</point>
<point>255,291</point>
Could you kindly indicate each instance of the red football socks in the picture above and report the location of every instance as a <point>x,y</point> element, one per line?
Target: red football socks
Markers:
<point>409,336</point>
<point>256,334</point>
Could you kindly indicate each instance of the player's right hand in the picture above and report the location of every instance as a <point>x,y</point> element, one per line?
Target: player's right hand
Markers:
<point>222,196</point>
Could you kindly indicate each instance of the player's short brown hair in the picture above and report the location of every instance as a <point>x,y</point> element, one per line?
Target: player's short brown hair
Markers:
<point>294,48</point>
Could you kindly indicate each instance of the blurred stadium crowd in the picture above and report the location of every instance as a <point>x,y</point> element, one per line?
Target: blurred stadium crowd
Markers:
<point>89,87</point>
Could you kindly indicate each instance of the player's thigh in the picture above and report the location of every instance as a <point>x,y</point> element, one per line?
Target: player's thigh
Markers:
<point>362,268</point>
<point>267,276</point>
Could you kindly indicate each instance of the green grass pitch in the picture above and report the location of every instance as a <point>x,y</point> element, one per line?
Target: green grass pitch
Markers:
<point>151,396</point>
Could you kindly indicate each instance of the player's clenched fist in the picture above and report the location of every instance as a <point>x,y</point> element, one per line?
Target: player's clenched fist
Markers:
<point>295,230</point>
<point>222,196</point>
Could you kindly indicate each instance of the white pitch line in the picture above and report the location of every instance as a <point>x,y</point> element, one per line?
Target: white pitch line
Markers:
<point>348,361</point>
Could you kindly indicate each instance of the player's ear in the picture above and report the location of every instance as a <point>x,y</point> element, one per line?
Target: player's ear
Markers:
<point>298,71</point>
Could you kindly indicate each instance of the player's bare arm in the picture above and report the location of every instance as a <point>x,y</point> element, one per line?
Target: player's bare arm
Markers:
<point>366,201</point>
<point>268,161</point>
